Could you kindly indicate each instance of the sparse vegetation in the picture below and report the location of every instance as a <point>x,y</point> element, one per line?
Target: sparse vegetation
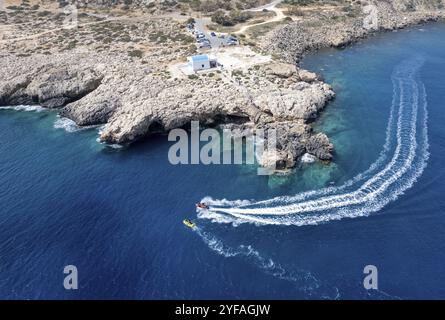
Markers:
<point>136,53</point>
<point>231,19</point>
<point>299,2</point>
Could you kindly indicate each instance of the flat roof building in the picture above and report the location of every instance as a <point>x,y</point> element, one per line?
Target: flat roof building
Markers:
<point>201,62</point>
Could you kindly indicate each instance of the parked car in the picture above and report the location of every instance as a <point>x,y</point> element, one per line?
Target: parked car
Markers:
<point>200,35</point>
<point>205,45</point>
<point>201,40</point>
<point>213,34</point>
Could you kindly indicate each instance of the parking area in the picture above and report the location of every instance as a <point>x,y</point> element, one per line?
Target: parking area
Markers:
<point>223,48</point>
<point>210,40</point>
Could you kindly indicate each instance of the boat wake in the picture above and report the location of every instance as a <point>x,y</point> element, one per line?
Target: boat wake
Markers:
<point>304,281</point>
<point>401,162</point>
<point>307,283</point>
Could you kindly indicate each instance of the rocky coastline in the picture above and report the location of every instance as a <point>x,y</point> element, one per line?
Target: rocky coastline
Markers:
<point>133,99</point>
<point>133,103</point>
<point>291,42</point>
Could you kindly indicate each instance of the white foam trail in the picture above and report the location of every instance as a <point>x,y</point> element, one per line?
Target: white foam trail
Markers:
<point>24,108</point>
<point>329,190</point>
<point>305,280</point>
<point>357,196</point>
<point>369,192</point>
<point>225,202</point>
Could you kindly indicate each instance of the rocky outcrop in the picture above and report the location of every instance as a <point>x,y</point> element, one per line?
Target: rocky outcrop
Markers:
<point>320,146</point>
<point>307,76</point>
<point>134,103</point>
<point>299,101</point>
<point>47,85</point>
<point>134,98</point>
<point>282,70</point>
<point>291,137</point>
<point>55,87</point>
<point>329,29</point>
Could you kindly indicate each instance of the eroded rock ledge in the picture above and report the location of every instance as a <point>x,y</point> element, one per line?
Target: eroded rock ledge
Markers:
<point>325,29</point>
<point>133,102</point>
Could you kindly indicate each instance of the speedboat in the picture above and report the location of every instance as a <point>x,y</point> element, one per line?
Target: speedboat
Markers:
<point>202,205</point>
<point>189,223</point>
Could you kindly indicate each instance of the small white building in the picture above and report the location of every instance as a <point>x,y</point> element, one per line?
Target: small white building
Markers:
<point>201,62</point>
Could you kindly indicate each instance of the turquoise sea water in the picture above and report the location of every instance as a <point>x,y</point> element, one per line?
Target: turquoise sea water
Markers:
<point>116,214</point>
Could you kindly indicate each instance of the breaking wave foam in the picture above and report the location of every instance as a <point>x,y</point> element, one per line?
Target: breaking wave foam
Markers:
<point>24,108</point>
<point>69,125</point>
<point>401,162</point>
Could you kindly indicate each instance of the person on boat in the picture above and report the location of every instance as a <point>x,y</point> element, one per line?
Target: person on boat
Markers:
<point>189,223</point>
<point>202,205</point>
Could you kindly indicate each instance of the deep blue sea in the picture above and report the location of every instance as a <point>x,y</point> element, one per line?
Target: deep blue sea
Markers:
<point>116,214</point>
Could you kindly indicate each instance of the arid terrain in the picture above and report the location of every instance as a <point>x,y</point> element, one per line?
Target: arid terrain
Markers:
<point>123,64</point>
